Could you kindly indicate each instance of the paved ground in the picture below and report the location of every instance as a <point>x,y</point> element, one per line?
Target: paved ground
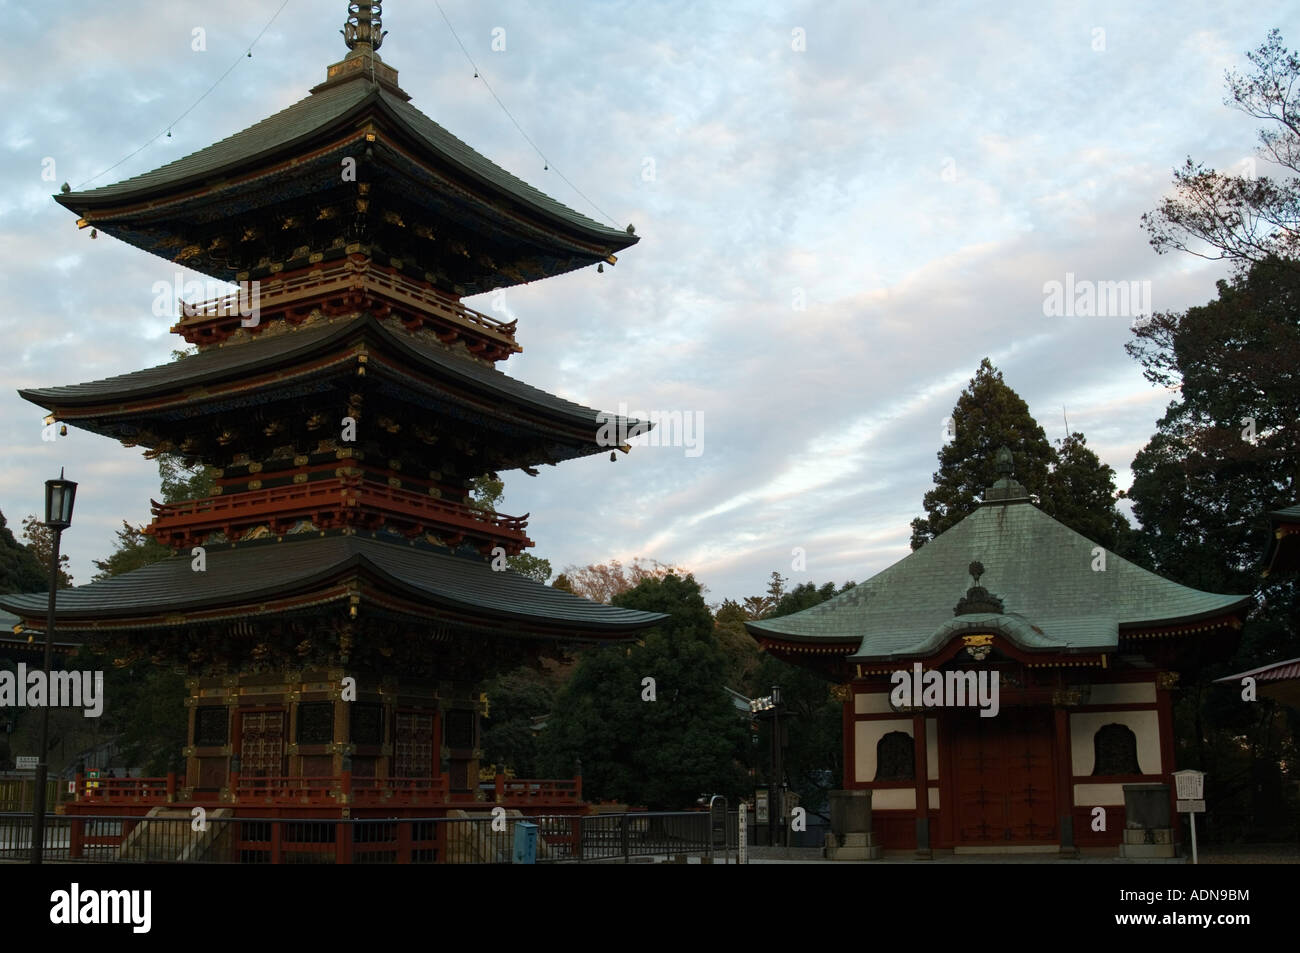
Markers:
<point>1251,854</point>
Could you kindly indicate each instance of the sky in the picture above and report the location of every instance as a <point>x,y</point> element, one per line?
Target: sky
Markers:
<point>843,207</point>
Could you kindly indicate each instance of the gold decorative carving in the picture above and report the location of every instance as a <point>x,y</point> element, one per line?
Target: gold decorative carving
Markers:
<point>1167,681</point>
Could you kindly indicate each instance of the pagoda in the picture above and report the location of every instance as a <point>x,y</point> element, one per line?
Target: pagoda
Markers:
<point>1009,686</point>
<point>337,602</point>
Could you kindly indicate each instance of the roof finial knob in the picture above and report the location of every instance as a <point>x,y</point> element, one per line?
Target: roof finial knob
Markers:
<point>976,570</point>
<point>363,32</point>
<point>1005,465</point>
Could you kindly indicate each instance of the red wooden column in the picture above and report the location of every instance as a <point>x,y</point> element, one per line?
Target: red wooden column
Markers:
<point>1165,682</point>
<point>921,775</point>
<point>850,779</point>
<point>1064,781</point>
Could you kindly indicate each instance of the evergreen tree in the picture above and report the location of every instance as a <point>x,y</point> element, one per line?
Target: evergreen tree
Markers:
<point>666,752</point>
<point>40,541</point>
<point>20,569</point>
<point>812,717</point>
<point>988,415</point>
<point>134,550</point>
<point>515,699</point>
<point>1080,492</point>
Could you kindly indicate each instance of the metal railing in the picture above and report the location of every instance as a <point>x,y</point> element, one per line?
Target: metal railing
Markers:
<point>180,838</point>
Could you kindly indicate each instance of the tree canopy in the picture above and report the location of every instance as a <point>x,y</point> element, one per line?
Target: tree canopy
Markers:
<point>1072,484</point>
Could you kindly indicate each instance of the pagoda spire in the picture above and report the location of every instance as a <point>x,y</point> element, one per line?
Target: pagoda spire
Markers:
<point>363,32</point>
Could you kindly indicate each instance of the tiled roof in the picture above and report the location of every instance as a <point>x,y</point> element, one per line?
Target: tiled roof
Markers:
<point>238,360</point>
<point>255,572</point>
<point>333,107</point>
<point>1042,570</point>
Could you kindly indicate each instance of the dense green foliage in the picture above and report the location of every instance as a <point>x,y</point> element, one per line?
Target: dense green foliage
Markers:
<point>20,569</point>
<point>1072,484</point>
<point>662,743</point>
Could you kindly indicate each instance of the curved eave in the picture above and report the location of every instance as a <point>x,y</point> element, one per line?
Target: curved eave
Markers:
<point>426,141</point>
<point>128,395</point>
<point>155,595</point>
<point>1282,554</point>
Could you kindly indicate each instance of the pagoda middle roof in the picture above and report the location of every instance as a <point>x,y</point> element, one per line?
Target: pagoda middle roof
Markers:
<point>291,348</point>
<point>1042,571</point>
<point>337,108</point>
<point>252,574</point>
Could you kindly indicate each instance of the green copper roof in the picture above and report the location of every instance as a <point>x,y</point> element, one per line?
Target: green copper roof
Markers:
<point>251,573</point>
<point>1041,570</point>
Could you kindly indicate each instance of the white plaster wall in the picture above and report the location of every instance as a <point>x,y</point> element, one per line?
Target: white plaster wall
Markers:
<point>934,799</point>
<point>893,799</point>
<point>1130,693</point>
<point>866,735</point>
<point>1093,795</point>
<point>1144,724</point>
<point>876,703</point>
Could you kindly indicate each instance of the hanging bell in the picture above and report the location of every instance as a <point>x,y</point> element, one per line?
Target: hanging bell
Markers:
<point>169,133</point>
<point>613,456</point>
<point>600,269</point>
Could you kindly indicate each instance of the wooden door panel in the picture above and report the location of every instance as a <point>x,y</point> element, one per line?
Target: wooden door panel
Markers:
<point>1004,780</point>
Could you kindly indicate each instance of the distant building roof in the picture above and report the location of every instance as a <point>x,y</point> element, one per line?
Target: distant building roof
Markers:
<point>1282,553</point>
<point>1052,598</point>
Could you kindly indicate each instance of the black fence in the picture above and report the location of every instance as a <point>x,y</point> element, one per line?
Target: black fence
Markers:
<point>452,840</point>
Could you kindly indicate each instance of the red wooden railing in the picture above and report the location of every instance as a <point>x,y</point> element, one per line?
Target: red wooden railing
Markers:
<point>351,493</point>
<point>347,276</point>
<point>328,790</point>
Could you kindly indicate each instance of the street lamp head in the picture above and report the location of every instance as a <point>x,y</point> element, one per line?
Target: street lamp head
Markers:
<point>59,497</point>
<point>776,694</point>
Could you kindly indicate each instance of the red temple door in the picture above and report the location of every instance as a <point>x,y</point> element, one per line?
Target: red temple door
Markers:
<point>413,745</point>
<point>261,753</point>
<point>1004,784</point>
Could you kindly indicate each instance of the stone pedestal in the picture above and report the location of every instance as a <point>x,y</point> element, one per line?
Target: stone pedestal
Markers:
<point>851,837</point>
<point>1148,825</point>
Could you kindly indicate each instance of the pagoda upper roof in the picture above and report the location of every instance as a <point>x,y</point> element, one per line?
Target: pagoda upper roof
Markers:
<point>264,577</point>
<point>104,406</point>
<point>1041,570</point>
<point>294,155</point>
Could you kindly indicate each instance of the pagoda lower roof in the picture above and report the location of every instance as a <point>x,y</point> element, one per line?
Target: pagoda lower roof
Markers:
<point>263,577</point>
<point>100,406</point>
<point>1042,571</point>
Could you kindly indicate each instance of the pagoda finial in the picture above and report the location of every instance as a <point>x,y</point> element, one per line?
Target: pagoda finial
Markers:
<point>1004,463</point>
<point>363,32</point>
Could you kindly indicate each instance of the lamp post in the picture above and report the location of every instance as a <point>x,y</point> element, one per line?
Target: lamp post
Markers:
<point>59,497</point>
<point>778,769</point>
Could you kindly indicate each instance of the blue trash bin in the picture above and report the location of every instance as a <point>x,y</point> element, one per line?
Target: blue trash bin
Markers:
<point>525,843</point>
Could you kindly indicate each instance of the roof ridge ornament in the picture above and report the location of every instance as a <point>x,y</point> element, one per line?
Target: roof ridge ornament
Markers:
<point>1007,488</point>
<point>363,31</point>
<point>978,600</point>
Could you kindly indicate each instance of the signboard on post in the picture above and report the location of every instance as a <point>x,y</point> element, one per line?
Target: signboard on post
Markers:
<point>760,806</point>
<point>742,836</point>
<point>1190,787</point>
<point>26,762</point>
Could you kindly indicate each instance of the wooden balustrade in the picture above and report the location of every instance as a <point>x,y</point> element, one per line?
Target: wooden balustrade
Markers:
<point>344,500</point>
<point>347,278</point>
